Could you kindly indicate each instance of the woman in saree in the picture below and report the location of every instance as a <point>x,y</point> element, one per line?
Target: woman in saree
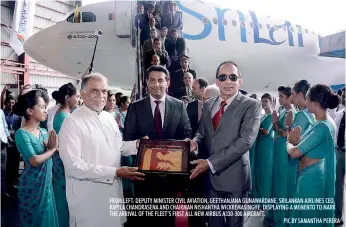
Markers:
<point>111,106</point>
<point>315,151</point>
<point>67,96</point>
<point>128,186</point>
<point>36,197</point>
<point>264,152</point>
<point>303,119</point>
<point>280,157</point>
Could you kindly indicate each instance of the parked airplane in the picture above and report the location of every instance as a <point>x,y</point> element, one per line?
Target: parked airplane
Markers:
<point>269,52</point>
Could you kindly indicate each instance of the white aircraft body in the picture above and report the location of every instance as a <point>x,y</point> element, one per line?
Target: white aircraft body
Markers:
<point>269,52</point>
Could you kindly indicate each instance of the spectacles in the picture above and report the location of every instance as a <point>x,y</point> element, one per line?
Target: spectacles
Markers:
<point>232,77</point>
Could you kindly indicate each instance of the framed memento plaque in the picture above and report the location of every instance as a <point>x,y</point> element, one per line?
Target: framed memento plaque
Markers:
<point>164,157</point>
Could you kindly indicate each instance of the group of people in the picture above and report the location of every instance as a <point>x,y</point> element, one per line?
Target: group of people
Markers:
<point>160,26</point>
<point>83,155</point>
<point>294,152</point>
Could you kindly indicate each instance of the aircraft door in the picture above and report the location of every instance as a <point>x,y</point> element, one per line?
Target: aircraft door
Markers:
<point>123,18</point>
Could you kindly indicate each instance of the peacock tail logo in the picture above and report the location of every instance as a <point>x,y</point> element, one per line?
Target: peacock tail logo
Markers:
<point>20,38</point>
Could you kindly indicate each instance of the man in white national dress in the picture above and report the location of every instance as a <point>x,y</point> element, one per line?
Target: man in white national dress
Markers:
<point>90,146</point>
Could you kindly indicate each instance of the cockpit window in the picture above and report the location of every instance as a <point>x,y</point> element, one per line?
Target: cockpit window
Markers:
<point>88,17</point>
<point>73,19</point>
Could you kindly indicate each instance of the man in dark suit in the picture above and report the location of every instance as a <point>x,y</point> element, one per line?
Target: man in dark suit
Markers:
<point>157,116</point>
<point>146,30</point>
<point>175,46</point>
<point>228,126</point>
<point>194,109</point>
<point>164,58</point>
<point>148,44</point>
<point>196,188</point>
<point>163,37</point>
<point>177,79</point>
<point>172,19</point>
<point>150,13</point>
<point>186,90</point>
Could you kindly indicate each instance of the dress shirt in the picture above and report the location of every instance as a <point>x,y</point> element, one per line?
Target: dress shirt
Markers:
<point>50,116</point>
<point>4,133</point>
<point>161,107</point>
<point>13,121</point>
<point>163,39</point>
<point>215,109</point>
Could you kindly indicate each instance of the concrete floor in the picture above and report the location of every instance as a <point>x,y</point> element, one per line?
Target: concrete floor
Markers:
<point>10,216</point>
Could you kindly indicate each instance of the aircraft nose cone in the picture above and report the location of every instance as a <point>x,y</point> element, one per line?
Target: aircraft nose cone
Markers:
<point>40,44</point>
<point>33,45</point>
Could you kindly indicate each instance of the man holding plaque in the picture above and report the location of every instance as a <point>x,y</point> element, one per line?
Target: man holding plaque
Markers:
<point>160,117</point>
<point>228,126</point>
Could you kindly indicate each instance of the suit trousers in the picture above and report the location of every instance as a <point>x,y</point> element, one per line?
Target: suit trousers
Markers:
<point>225,221</point>
<point>339,183</point>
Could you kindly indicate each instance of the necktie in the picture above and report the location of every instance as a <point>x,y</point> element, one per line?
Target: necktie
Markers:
<point>217,117</point>
<point>175,47</point>
<point>157,119</point>
<point>189,92</point>
<point>341,133</point>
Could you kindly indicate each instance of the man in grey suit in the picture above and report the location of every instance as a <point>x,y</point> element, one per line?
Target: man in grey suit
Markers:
<point>228,126</point>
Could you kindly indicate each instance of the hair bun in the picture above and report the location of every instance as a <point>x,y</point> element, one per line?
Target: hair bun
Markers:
<point>55,95</point>
<point>333,101</point>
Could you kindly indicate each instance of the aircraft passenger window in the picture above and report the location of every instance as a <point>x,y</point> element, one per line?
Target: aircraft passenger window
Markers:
<point>268,26</point>
<point>306,31</point>
<point>291,29</point>
<point>276,27</point>
<point>73,19</point>
<point>224,21</point>
<point>242,24</point>
<point>259,25</point>
<point>234,23</point>
<point>284,27</point>
<point>88,17</point>
<point>299,29</point>
<point>251,25</point>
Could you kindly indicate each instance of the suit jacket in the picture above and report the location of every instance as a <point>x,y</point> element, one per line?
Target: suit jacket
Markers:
<point>175,50</point>
<point>148,45</point>
<point>192,112</point>
<point>177,82</point>
<point>228,146</point>
<point>140,120</point>
<point>145,33</point>
<point>144,20</point>
<point>172,22</point>
<point>182,92</point>
<point>164,58</point>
